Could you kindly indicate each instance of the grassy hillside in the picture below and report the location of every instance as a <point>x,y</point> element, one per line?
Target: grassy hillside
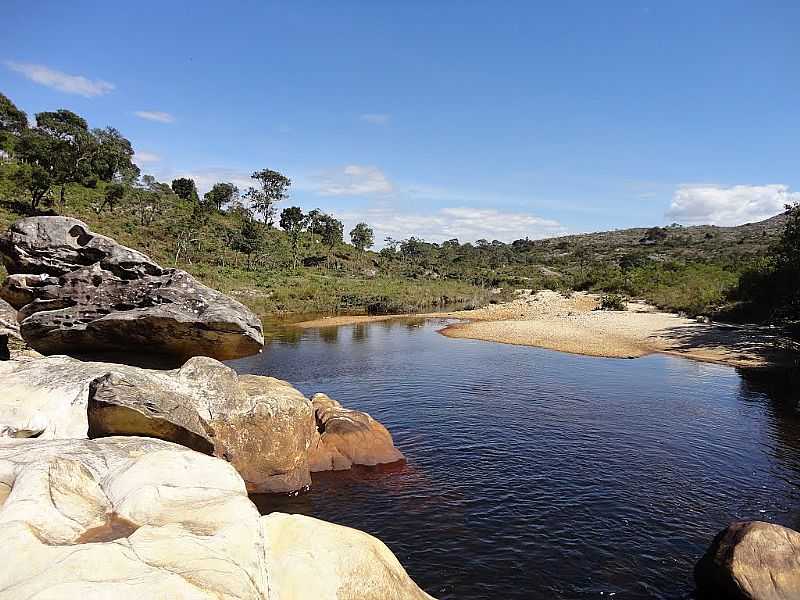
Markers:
<point>694,270</point>
<point>345,281</point>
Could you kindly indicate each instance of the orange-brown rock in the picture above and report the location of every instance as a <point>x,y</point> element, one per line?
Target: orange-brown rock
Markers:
<point>751,560</point>
<point>347,437</point>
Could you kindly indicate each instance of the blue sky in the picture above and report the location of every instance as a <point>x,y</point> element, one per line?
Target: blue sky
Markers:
<point>440,119</point>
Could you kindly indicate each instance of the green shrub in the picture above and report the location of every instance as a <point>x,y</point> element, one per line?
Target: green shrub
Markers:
<point>612,302</point>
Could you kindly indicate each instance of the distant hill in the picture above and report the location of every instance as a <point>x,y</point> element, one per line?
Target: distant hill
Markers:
<point>705,243</point>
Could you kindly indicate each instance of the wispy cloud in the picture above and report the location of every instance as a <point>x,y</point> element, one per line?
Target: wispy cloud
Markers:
<point>155,115</point>
<point>146,157</point>
<point>352,180</point>
<point>63,82</point>
<point>463,223</point>
<point>696,204</point>
<point>375,118</point>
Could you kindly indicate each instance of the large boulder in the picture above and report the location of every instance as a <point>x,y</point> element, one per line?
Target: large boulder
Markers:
<point>348,437</point>
<point>125,518</point>
<point>751,560</point>
<point>131,518</point>
<point>263,426</point>
<point>82,293</point>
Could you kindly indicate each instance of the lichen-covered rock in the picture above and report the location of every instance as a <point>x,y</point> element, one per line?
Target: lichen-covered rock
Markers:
<point>751,560</point>
<point>9,328</point>
<point>80,293</point>
<point>262,425</point>
<point>348,437</point>
<point>130,518</point>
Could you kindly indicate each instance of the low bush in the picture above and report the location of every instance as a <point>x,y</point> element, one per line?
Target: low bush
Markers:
<point>612,302</point>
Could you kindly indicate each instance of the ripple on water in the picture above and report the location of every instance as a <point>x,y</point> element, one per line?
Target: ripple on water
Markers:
<point>536,474</point>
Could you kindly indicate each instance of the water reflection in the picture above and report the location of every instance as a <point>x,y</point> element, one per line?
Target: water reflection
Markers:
<point>535,474</point>
<point>360,332</point>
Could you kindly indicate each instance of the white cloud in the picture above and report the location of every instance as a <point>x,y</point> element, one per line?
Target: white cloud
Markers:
<point>727,206</point>
<point>205,179</point>
<point>146,157</point>
<point>375,118</point>
<point>71,84</point>
<point>155,115</point>
<point>466,224</point>
<point>352,180</point>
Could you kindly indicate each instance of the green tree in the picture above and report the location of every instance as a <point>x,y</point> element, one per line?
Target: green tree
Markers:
<point>13,122</point>
<point>35,180</point>
<point>114,193</point>
<point>72,149</point>
<point>332,231</point>
<point>185,189</point>
<point>149,197</point>
<point>248,239</point>
<point>313,222</point>
<point>362,237</point>
<point>292,222</point>
<point>221,194</point>
<point>113,154</point>
<point>273,188</point>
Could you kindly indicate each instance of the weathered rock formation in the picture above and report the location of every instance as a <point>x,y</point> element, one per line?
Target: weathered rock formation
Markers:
<point>263,426</point>
<point>9,328</point>
<point>80,292</point>
<point>347,437</point>
<point>751,560</point>
<point>131,518</point>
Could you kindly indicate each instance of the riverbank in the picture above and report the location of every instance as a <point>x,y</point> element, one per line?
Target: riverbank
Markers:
<point>547,319</point>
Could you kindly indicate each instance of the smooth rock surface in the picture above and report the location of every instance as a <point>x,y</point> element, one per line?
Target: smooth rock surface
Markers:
<point>308,558</point>
<point>751,560</point>
<point>262,425</point>
<point>130,518</point>
<point>348,437</point>
<point>46,397</point>
<point>125,518</point>
<point>79,293</point>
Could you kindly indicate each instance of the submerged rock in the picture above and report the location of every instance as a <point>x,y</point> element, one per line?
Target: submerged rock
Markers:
<point>80,292</point>
<point>347,437</point>
<point>263,426</point>
<point>751,560</point>
<point>131,518</point>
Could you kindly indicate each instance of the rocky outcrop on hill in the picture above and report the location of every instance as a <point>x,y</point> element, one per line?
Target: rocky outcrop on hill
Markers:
<point>347,437</point>
<point>751,560</point>
<point>80,292</point>
<point>134,518</point>
<point>262,425</point>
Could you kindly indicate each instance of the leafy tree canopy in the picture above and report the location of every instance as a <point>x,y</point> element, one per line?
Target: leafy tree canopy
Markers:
<point>185,188</point>
<point>221,194</point>
<point>362,236</point>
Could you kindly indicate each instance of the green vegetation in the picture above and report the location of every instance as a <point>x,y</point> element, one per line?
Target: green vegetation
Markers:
<point>612,302</point>
<point>229,241</point>
<point>60,166</point>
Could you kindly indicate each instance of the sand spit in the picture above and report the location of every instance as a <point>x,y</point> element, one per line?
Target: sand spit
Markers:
<point>551,320</point>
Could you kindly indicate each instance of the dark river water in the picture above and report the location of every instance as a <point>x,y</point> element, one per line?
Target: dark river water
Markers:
<point>536,474</point>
